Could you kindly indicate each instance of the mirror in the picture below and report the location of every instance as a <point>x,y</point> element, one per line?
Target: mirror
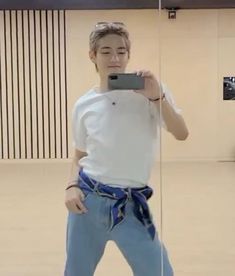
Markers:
<point>198,173</point>
<point>143,30</point>
<point>44,57</point>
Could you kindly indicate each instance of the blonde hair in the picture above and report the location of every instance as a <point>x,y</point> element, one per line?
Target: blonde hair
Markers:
<point>102,30</point>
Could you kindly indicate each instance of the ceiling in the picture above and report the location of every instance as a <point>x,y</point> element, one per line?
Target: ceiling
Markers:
<point>114,4</point>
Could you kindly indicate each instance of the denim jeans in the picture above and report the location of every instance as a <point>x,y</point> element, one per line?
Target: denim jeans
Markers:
<point>87,235</point>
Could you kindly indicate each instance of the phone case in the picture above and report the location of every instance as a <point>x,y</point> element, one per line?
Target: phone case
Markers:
<point>125,81</point>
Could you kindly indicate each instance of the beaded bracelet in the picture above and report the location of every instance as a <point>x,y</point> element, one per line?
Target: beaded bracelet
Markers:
<point>154,100</point>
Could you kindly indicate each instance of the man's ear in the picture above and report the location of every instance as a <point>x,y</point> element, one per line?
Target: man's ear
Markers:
<point>92,56</point>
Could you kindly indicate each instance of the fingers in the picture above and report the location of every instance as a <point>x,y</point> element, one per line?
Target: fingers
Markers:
<point>80,207</point>
<point>74,203</point>
<point>75,207</point>
<point>143,73</point>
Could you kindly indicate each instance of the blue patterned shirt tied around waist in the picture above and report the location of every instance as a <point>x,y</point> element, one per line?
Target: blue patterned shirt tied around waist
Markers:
<point>122,195</point>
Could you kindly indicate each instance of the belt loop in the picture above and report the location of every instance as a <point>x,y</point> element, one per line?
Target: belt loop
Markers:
<point>129,193</point>
<point>96,187</point>
<point>95,184</point>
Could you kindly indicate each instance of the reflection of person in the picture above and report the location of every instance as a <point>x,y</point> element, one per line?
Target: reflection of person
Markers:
<point>115,134</point>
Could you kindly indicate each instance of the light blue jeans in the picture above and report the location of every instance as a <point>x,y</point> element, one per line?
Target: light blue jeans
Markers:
<point>87,235</point>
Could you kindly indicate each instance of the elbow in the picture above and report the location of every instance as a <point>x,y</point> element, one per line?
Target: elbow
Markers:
<point>182,136</point>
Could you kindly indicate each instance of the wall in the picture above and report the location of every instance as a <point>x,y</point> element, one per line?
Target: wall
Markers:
<point>191,55</point>
<point>195,53</point>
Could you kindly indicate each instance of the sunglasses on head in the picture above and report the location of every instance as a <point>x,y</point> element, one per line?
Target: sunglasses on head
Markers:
<point>107,23</point>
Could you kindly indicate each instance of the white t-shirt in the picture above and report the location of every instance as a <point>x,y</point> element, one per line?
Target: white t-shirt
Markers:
<point>120,140</point>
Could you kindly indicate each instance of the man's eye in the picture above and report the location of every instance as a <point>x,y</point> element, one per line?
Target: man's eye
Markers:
<point>105,53</point>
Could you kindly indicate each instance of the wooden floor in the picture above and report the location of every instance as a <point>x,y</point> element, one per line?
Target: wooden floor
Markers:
<point>198,207</point>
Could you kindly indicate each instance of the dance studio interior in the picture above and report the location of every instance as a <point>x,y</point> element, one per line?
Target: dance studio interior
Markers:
<point>45,68</point>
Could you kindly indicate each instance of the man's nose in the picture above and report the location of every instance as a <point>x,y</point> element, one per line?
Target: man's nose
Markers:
<point>114,57</point>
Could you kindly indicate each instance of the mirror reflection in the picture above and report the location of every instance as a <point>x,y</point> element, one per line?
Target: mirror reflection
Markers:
<point>197,175</point>
<point>116,142</point>
<point>116,127</point>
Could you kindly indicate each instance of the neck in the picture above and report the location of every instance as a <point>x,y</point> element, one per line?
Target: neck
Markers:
<point>103,87</point>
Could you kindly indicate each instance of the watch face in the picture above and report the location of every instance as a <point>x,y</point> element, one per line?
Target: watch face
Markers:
<point>229,88</point>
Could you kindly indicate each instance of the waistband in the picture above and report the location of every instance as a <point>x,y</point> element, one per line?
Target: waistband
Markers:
<point>122,195</point>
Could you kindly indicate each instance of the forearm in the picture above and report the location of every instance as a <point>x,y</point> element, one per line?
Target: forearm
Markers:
<point>75,168</point>
<point>174,122</point>
<point>153,90</point>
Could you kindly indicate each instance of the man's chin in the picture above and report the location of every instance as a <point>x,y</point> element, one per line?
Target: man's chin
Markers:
<point>115,70</point>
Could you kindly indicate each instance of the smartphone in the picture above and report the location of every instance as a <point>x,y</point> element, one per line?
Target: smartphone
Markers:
<point>121,81</point>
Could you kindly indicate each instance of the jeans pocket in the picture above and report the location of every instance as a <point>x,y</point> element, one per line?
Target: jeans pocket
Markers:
<point>86,194</point>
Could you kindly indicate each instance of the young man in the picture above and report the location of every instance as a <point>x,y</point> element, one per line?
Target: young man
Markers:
<point>115,134</point>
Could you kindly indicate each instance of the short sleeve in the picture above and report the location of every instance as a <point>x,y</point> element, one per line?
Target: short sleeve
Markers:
<point>155,112</point>
<point>79,132</point>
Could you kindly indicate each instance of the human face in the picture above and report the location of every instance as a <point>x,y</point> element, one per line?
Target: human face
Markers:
<point>111,55</point>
